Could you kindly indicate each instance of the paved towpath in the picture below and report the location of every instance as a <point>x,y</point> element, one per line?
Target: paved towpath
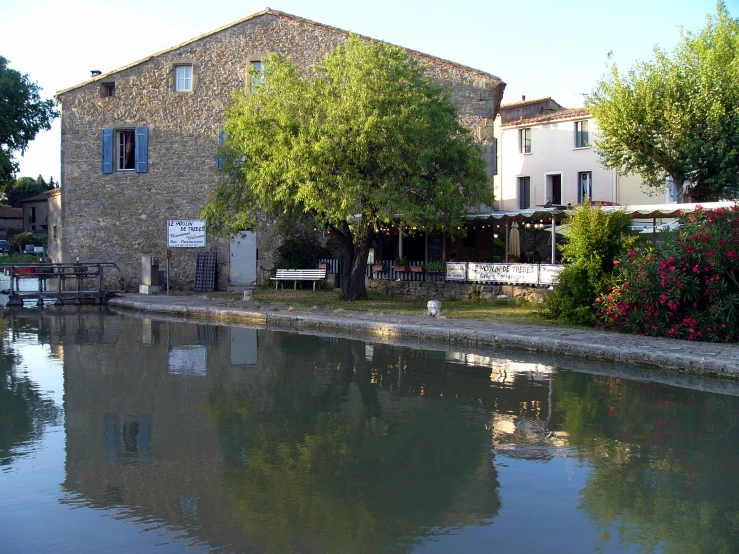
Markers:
<point>664,353</point>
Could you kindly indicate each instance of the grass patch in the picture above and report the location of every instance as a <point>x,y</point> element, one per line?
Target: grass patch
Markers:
<point>499,311</point>
<point>18,259</point>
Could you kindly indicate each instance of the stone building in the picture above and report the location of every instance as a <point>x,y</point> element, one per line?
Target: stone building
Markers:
<point>139,143</point>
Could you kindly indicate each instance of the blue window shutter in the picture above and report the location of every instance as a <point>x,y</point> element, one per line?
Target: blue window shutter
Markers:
<point>142,149</point>
<point>221,140</point>
<point>107,150</point>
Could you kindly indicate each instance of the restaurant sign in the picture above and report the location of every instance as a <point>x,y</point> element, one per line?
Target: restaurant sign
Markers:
<point>518,274</point>
<point>456,271</point>
<point>185,233</point>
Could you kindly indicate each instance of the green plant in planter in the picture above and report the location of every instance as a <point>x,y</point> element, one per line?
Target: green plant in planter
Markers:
<point>402,262</point>
<point>378,264</point>
<point>439,267</point>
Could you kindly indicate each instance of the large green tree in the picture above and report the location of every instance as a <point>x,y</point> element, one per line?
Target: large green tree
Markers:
<point>359,140</point>
<point>22,115</point>
<point>676,116</point>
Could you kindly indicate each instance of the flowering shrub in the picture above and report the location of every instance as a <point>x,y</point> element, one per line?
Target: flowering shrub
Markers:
<point>596,237</point>
<point>688,288</point>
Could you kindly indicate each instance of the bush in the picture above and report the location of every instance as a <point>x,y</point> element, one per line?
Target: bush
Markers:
<point>686,289</point>
<point>22,239</point>
<point>596,238</point>
<point>573,299</point>
<point>300,252</point>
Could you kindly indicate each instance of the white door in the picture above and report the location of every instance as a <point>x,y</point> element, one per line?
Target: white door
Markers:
<point>244,258</point>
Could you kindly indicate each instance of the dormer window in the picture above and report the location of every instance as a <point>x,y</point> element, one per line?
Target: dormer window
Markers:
<point>183,78</point>
<point>107,90</point>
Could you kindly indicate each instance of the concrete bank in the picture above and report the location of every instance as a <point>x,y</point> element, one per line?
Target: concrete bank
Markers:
<point>705,358</point>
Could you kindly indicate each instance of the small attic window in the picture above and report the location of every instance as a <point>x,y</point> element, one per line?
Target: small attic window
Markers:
<point>107,90</point>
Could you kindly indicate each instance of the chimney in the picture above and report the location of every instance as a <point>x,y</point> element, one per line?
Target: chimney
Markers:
<point>523,98</point>
<point>95,72</point>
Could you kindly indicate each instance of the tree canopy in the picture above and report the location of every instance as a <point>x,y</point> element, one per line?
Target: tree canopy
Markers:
<point>22,115</point>
<point>359,140</point>
<point>675,117</point>
<point>17,190</point>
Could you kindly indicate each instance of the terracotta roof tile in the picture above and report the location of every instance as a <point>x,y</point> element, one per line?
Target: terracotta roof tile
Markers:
<point>6,212</point>
<point>569,113</point>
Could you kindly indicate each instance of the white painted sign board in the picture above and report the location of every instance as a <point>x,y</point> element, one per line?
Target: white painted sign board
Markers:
<point>549,274</point>
<point>503,273</point>
<point>456,271</point>
<point>185,233</point>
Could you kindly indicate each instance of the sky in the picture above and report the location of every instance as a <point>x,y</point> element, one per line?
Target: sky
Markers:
<point>538,47</point>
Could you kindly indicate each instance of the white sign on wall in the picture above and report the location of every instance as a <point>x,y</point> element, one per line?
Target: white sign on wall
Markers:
<point>186,233</point>
<point>456,271</point>
<point>503,273</point>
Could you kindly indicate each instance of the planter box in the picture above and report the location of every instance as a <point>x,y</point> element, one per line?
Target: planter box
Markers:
<point>322,266</point>
<point>417,268</point>
<point>378,267</point>
<point>433,271</point>
<point>401,268</point>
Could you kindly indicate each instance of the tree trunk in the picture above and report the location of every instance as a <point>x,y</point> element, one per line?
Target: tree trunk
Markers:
<point>355,268</point>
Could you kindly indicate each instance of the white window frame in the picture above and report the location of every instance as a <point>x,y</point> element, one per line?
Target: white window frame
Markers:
<point>255,81</point>
<point>581,196</point>
<point>579,134</point>
<point>183,76</point>
<point>524,135</point>
<point>120,145</point>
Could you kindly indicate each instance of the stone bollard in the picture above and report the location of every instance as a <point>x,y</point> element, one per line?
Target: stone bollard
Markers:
<point>434,307</point>
<point>249,295</point>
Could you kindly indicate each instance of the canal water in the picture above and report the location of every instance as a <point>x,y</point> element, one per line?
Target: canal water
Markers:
<point>121,433</point>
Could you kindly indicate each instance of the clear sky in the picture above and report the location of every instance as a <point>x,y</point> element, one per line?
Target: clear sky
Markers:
<point>538,47</point>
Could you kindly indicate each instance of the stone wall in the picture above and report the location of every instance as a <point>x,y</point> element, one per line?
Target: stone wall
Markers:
<point>117,217</point>
<point>449,290</point>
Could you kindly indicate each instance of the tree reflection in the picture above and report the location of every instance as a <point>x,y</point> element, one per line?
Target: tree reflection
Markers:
<point>665,461</point>
<point>23,410</point>
<point>340,465</point>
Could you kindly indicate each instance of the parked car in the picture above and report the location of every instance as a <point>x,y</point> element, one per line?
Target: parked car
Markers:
<point>4,246</point>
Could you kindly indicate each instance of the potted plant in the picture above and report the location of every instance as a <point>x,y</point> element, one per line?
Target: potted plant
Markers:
<point>378,265</point>
<point>417,268</point>
<point>401,264</point>
<point>435,267</point>
<point>322,265</point>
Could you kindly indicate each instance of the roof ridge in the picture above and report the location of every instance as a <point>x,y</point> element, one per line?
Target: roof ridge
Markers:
<point>551,116</point>
<point>276,13</point>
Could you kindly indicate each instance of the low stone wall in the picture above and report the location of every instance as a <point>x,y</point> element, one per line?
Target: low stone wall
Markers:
<point>450,290</point>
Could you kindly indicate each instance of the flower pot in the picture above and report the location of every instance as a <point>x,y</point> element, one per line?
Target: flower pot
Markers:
<point>401,268</point>
<point>433,271</point>
<point>376,267</point>
<point>417,268</point>
<point>322,266</point>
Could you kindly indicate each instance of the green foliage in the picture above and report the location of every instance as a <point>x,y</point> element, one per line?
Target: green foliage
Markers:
<point>688,288</point>
<point>22,239</point>
<point>596,238</point>
<point>436,266</point>
<point>675,116</point>
<point>362,138</point>
<point>22,115</point>
<point>26,187</point>
<point>400,261</point>
<point>573,299</point>
<point>301,252</point>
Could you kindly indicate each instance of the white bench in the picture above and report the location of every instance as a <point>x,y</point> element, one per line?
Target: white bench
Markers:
<point>296,275</point>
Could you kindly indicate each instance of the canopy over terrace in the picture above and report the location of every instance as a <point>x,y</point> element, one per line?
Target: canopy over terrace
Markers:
<point>556,214</point>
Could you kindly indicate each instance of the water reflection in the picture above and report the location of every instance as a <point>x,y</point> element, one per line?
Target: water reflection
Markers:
<point>248,440</point>
<point>24,411</point>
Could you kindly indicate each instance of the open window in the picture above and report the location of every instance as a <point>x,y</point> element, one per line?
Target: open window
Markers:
<point>125,150</point>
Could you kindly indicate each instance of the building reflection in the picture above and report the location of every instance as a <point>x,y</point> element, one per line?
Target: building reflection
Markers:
<point>167,421</point>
